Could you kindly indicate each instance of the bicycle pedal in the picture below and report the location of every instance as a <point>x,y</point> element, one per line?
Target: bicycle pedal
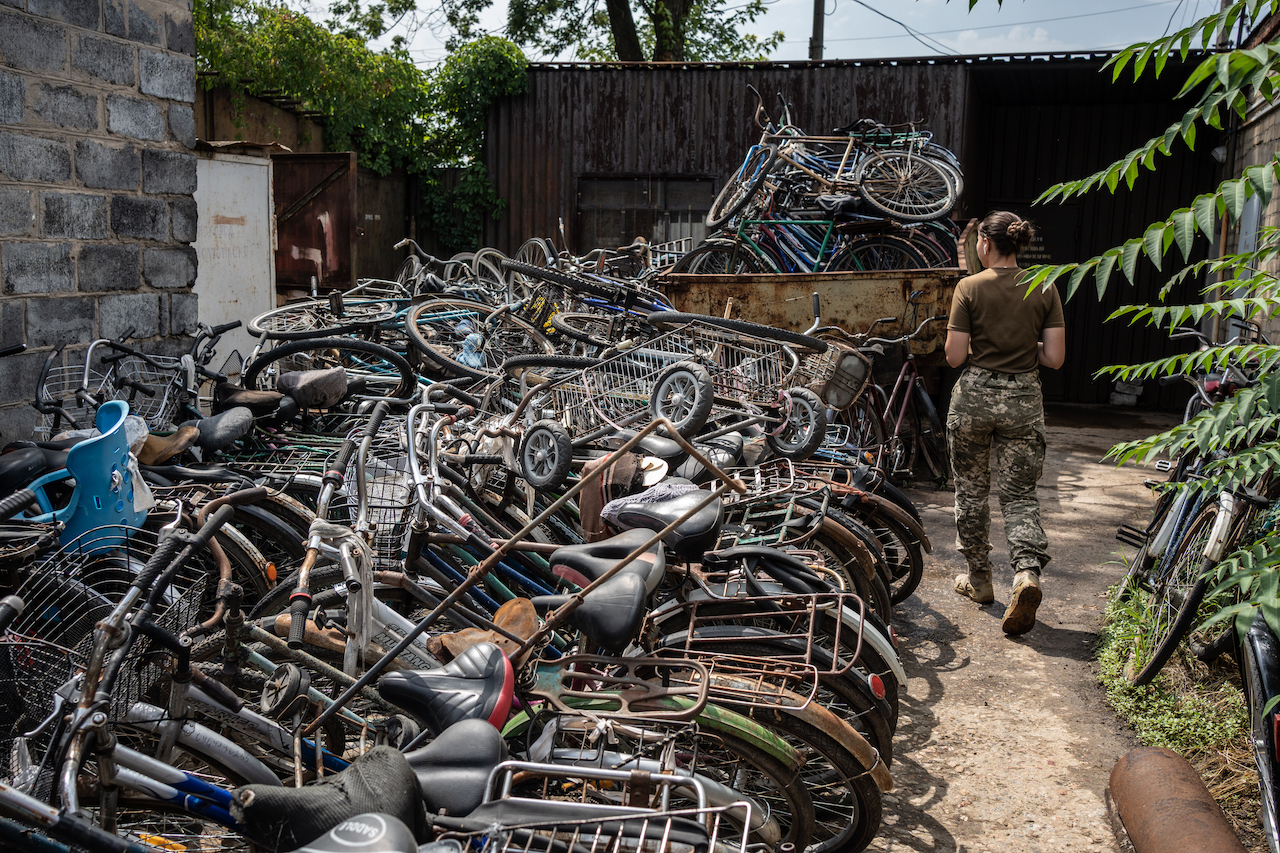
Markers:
<point>1164,465</point>
<point>1130,535</point>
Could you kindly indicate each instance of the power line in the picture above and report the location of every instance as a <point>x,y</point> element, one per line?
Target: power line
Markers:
<point>915,34</point>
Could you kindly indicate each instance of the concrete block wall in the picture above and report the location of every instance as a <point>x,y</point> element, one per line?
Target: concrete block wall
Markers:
<point>97,179</point>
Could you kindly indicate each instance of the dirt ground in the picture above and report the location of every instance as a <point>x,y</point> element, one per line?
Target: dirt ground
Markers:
<point>1007,744</point>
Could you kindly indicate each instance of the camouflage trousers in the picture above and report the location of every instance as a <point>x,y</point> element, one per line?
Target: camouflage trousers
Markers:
<point>1003,412</point>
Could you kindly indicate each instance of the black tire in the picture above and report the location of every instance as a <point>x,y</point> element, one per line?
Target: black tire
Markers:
<point>1173,605</point>
<point>720,259</point>
<point>675,319</point>
<point>879,252</point>
<point>576,284</point>
<point>805,428</point>
<point>407,275</point>
<point>313,319</point>
<point>684,394</point>
<point>847,805</point>
<point>435,330</point>
<point>554,364</point>
<point>903,554</point>
<point>739,189</point>
<point>932,435</point>
<point>905,186</point>
<point>546,455</point>
<point>1257,656</point>
<point>323,348</point>
<point>866,428</point>
<point>486,269</point>
<point>584,327</point>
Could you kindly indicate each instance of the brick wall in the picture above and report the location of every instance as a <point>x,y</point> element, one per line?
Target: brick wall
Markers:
<point>1258,140</point>
<point>96,182</point>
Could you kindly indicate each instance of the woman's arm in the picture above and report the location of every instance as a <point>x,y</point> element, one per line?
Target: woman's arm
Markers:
<point>957,347</point>
<point>1053,349</point>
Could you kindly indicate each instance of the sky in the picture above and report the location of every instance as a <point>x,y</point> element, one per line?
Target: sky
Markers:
<point>867,29</point>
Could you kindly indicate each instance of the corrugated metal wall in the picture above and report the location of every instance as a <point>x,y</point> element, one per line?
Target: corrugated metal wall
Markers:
<point>1019,124</point>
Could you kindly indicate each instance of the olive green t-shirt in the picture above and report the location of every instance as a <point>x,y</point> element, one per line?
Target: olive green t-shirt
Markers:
<point>1003,322</point>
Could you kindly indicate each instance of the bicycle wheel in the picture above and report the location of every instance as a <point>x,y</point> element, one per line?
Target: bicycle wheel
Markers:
<point>683,394</point>
<point>546,454</point>
<point>315,319</point>
<point>866,428</point>
<point>1172,607</point>
<point>594,330</point>
<point>387,372</point>
<point>905,186</point>
<point>879,252</point>
<point>804,429</point>
<point>407,275</point>
<point>441,330</point>
<point>580,285</point>
<point>739,189</point>
<point>932,436</point>
<point>721,259</point>
<point>486,267</point>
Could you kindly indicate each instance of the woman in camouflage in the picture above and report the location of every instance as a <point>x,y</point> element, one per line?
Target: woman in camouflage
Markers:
<point>1003,335</point>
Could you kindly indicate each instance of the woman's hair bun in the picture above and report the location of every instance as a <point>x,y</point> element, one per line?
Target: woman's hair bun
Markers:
<point>1021,232</point>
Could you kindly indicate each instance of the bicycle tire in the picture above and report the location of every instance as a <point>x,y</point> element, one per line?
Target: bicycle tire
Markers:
<point>847,805</point>
<point>668,320</point>
<point>407,275</point>
<point>313,319</point>
<point>739,189</point>
<point>905,186</point>
<point>559,363</point>
<point>576,284</point>
<point>1256,655</point>
<point>584,327</point>
<point>932,435</point>
<point>486,270</point>
<point>721,259</point>
<point>405,388</point>
<point>546,455</point>
<point>879,252</point>
<point>436,331</point>
<point>1171,609</point>
<point>805,428</point>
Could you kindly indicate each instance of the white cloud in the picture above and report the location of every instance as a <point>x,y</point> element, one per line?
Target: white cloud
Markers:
<point>1017,39</point>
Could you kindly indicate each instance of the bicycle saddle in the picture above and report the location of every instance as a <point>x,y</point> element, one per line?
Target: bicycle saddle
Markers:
<point>220,430</point>
<point>692,537</point>
<point>314,389</point>
<point>227,395</point>
<point>723,452</point>
<point>591,560</point>
<point>610,615</point>
<point>666,449</point>
<point>287,818</point>
<point>453,770</point>
<point>371,832</point>
<point>476,685</point>
<point>21,466</point>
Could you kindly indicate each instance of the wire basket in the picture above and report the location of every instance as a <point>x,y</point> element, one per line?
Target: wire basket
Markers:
<point>388,489</point>
<point>160,375</point>
<point>61,405</point>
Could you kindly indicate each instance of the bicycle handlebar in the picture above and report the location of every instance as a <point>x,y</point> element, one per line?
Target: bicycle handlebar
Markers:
<point>903,338</point>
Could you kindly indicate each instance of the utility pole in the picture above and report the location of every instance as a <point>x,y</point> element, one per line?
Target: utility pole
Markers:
<point>819,17</point>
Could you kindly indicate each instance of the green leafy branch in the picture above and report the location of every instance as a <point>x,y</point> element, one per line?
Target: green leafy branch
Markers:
<point>1202,31</point>
<point>1180,228</point>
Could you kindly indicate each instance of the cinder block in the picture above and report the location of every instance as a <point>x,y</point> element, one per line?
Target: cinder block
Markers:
<point>19,377</point>
<point>135,118</point>
<point>1129,388</point>
<point>104,167</point>
<point>78,13</point>
<point>117,23</point>
<point>17,4</point>
<point>38,268</point>
<point>180,33</point>
<point>104,59</point>
<point>142,26</point>
<point>13,98</point>
<point>32,44</point>
<point>54,321</point>
<point>167,75</point>
<point>168,172</point>
<point>16,214</point>
<point>129,315</point>
<point>18,421</point>
<point>76,215</point>
<point>12,326</point>
<point>184,314</point>
<point>67,106</point>
<point>109,267</point>
<point>182,124</point>
<point>169,268</point>
<point>32,158</point>
<point>140,216</point>
<point>183,219</point>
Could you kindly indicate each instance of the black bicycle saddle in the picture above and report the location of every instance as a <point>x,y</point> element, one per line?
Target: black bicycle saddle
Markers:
<point>476,685</point>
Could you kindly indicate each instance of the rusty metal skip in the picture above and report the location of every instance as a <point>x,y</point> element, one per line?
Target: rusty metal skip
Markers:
<point>1165,807</point>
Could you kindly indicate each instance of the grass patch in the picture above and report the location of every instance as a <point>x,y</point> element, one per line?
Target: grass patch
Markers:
<point>1193,708</point>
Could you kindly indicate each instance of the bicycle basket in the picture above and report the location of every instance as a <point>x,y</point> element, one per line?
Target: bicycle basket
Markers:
<point>885,368</point>
<point>839,375</point>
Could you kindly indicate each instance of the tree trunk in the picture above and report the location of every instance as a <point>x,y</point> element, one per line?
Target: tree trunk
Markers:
<point>623,25</point>
<point>668,30</point>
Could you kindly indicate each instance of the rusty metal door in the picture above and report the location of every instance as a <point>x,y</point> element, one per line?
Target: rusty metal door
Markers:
<point>315,207</point>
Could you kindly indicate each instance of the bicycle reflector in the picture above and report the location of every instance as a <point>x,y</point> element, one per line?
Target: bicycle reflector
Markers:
<point>877,686</point>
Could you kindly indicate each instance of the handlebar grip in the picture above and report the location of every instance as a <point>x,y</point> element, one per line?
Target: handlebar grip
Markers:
<point>11,607</point>
<point>299,605</point>
<point>11,505</point>
<point>226,327</point>
<point>817,305</point>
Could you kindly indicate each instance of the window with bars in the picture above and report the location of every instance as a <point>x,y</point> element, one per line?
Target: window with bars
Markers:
<point>613,211</point>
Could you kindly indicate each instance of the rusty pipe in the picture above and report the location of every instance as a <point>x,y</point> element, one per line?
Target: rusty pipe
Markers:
<point>1165,806</point>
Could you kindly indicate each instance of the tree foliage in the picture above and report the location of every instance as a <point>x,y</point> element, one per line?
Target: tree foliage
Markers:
<point>378,104</point>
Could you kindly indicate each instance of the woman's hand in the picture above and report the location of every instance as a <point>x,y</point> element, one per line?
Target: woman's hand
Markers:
<point>1053,349</point>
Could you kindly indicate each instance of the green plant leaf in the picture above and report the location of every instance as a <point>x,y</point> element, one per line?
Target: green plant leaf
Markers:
<point>1184,230</point>
<point>1153,241</point>
<point>1106,264</point>
<point>1205,214</point>
<point>1129,258</point>
<point>1234,194</point>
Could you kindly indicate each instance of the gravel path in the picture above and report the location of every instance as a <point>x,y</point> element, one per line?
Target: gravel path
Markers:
<point>1005,745</point>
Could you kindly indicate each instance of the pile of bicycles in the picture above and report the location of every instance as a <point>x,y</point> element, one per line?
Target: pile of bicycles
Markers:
<point>518,559</point>
<point>872,197</point>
